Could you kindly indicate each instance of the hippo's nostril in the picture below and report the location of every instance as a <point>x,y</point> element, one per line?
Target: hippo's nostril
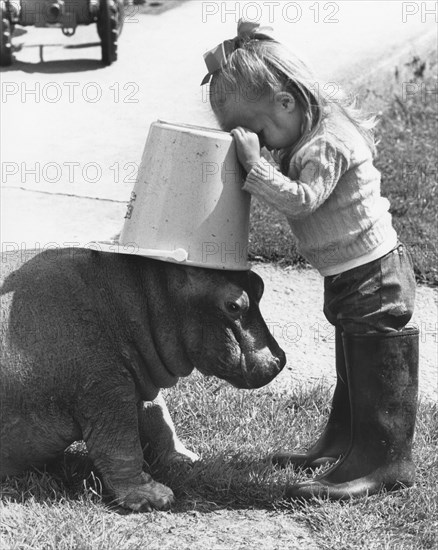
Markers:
<point>281,360</point>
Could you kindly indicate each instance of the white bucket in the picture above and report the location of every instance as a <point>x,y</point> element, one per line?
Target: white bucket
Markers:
<point>187,205</point>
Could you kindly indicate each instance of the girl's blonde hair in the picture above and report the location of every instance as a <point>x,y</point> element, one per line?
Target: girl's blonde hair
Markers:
<point>262,66</point>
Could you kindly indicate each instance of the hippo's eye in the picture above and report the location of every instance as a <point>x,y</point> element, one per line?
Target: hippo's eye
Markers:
<point>236,306</point>
<point>233,307</point>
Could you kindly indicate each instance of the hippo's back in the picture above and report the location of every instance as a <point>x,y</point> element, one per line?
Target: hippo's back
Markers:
<point>11,262</point>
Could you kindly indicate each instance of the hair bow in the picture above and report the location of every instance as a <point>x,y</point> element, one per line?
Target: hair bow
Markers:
<point>218,56</point>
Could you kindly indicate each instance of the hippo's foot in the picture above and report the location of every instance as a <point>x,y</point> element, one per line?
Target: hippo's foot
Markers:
<point>148,496</point>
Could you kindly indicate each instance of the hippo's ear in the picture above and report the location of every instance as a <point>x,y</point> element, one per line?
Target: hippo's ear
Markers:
<point>257,286</point>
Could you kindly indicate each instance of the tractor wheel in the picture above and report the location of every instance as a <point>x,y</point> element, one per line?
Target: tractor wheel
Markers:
<point>6,42</point>
<point>107,27</point>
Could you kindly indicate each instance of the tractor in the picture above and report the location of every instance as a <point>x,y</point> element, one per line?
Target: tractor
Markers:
<point>66,15</point>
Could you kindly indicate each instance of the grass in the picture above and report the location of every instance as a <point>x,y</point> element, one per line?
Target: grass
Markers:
<point>233,431</point>
<point>407,158</point>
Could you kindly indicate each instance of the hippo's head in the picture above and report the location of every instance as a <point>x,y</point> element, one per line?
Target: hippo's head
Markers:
<point>223,330</point>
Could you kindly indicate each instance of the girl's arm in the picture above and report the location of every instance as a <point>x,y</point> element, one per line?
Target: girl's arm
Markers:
<point>321,166</point>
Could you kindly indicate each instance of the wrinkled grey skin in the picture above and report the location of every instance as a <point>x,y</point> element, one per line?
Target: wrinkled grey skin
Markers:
<point>89,338</point>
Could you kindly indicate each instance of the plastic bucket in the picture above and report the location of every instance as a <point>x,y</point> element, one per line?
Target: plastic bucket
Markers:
<point>187,205</point>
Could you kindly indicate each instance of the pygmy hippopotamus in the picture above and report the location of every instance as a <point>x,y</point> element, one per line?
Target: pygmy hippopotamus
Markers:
<point>88,340</point>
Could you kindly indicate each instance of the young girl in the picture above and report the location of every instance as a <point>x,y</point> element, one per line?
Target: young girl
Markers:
<point>326,184</point>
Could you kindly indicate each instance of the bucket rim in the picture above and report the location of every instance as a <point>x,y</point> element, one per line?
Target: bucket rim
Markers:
<point>115,247</point>
<point>187,127</point>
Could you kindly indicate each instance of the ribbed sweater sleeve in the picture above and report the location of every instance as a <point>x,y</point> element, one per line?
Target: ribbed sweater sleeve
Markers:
<point>319,168</point>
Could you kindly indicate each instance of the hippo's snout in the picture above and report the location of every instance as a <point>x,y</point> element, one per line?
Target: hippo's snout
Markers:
<point>258,371</point>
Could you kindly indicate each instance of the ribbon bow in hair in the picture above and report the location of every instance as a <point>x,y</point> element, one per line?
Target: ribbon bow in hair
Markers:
<point>218,56</point>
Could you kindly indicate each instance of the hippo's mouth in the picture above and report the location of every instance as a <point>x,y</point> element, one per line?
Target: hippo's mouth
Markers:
<point>241,366</point>
<point>260,375</point>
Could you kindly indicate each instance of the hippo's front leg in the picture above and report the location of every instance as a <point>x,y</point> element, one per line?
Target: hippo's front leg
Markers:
<point>158,432</point>
<point>110,430</point>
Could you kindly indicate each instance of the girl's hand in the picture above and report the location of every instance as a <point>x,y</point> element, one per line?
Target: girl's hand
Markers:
<point>247,146</point>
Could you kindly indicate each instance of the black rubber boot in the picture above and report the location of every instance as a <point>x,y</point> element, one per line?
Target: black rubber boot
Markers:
<point>383,383</point>
<point>335,438</point>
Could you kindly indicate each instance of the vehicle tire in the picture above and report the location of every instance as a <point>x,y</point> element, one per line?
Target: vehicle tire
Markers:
<point>6,42</point>
<point>108,30</point>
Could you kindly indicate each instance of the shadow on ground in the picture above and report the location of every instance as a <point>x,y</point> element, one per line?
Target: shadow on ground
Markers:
<point>222,482</point>
<point>56,67</point>
<point>155,7</point>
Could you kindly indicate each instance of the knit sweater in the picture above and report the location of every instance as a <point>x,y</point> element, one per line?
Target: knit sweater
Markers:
<point>331,198</point>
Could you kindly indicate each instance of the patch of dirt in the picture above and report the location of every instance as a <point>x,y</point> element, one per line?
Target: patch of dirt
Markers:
<point>225,529</point>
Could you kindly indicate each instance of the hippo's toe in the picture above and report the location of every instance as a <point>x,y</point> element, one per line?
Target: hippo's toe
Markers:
<point>148,497</point>
<point>179,457</point>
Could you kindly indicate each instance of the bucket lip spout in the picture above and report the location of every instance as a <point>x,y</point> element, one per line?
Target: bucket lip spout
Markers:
<point>177,256</point>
